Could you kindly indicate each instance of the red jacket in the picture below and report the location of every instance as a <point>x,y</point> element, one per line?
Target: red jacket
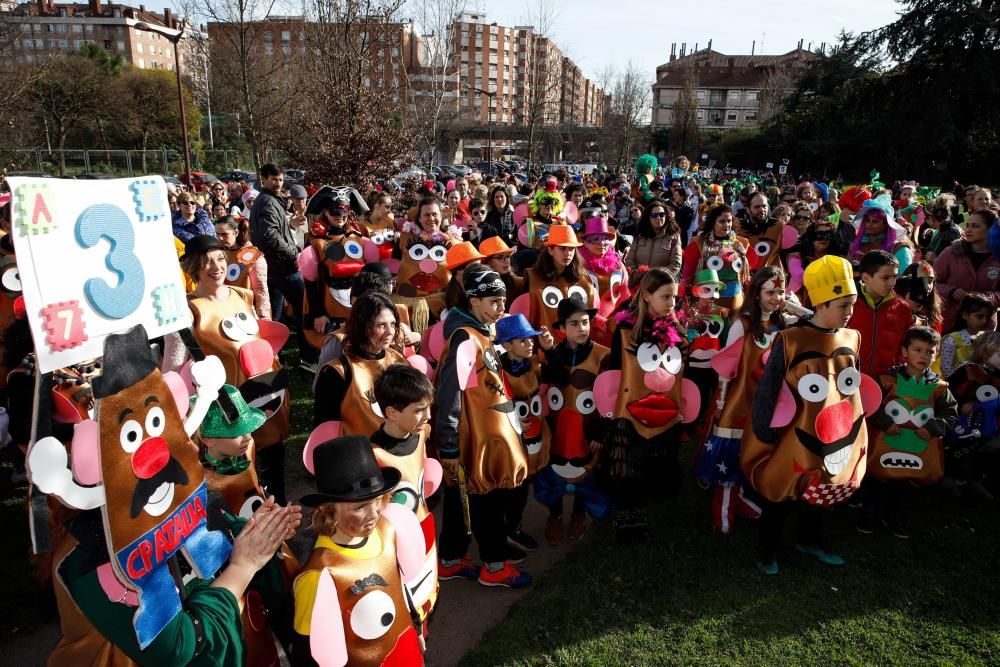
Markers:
<point>882,331</point>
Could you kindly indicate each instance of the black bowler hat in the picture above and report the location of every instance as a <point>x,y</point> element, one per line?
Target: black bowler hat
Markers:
<point>571,306</point>
<point>346,470</point>
<point>202,243</point>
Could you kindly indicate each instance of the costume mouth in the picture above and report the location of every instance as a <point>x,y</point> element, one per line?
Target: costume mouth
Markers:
<point>836,454</point>
<point>155,494</point>
<point>533,446</point>
<point>341,296</point>
<point>654,410</point>
<point>266,392</point>
<point>901,461</point>
<point>426,282</point>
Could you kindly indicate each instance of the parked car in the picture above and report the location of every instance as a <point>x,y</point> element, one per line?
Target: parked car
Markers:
<point>411,172</point>
<point>95,177</point>
<point>460,169</point>
<point>295,175</point>
<point>173,180</point>
<point>200,180</point>
<point>238,175</point>
<point>31,174</point>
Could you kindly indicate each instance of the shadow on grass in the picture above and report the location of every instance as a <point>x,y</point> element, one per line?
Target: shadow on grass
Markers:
<point>693,596</point>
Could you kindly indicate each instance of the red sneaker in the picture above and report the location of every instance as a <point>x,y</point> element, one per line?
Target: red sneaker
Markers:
<point>463,569</point>
<point>508,576</point>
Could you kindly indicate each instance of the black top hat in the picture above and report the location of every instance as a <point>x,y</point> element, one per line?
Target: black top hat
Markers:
<point>202,243</point>
<point>127,360</point>
<point>340,198</point>
<point>346,470</point>
<point>571,306</point>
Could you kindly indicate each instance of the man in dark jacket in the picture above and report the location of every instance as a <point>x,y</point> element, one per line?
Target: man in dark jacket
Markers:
<point>271,232</point>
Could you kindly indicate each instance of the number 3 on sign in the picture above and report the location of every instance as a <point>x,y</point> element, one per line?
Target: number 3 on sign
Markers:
<point>110,222</point>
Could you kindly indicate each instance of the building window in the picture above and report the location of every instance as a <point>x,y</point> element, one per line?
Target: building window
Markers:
<point>77,28</point>
<point>751,96</point>
<point>286,35</point>
<point>138,47</point>
<point>734,95</point>
<point>78,43</point>
<point>701,95</point>
<point>267,35</point>
<point>287,50</point>
<point>731,116</point>
<point>121,46</point>
<point>29,58</point>
<point>750,116</point>
<point>90,28</point>
<point>39,43</point>
<point>141,63</point>
<point>62,27</point>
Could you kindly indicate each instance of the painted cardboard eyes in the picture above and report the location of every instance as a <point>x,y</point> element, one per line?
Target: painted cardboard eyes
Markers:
<point>490,360</point>
<point>10,278</point>
<point>536,406</point>
<point>248,323</point>
<point>649,357</point>
<point>354,250</point>
<point>762,248</point>
<point>921,417</point>
<point>233,271</point>
<point>376,408</point>
<point>897,412</point>
<point>522,409</point>
<point>585,403</point>
<point>418,252</point>
<point>130,436</point>
<point>378,238</point>
<point>577,291</point>
<point>715,263</point>
<point>814,388</point>
<point>849,381</point>
<point>556,400</point>
<point>156,421</point>
<point>373,615</point>
<point>240,326</point>
<point>614,285</point>
<point>551,296</point>
<point>671,360</point>
<point>249,506</point>
<point>987,393</point>
<point>438,253</point>
<point>738,265</point>
<point>406,495</point>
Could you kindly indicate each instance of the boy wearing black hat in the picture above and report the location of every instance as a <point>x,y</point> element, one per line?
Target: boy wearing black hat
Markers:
<point>569,371</point>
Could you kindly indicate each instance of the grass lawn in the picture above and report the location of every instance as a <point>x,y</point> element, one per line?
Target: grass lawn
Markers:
<point>693,596</point>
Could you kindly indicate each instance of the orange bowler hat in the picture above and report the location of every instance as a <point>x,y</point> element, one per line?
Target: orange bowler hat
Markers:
<point>461,254</point>
<point>562,235</point>
<point>494,246</point>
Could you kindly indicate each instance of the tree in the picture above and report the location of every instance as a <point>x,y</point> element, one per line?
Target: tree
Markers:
<point>149,113</point>
<point>630,99</point>
<point>684,132</point>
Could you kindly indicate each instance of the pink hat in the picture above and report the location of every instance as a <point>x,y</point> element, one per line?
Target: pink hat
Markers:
<point>450,185</point>
<point>598,225</point>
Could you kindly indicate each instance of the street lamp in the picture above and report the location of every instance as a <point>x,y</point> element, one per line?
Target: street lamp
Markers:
<point>489,140</point>
<point>175,40</point>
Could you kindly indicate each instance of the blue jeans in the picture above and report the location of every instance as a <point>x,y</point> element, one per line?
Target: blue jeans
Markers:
<point>293,288</point>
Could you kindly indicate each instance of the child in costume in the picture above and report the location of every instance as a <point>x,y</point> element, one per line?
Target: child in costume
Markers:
<point>144,506</point>
<point>706,323</point>
<point>569,372</point>
<point>645,394</point>
<point>739,365</point>
<point>498,255</point>
<point>974,316</point>
<point>479,438</point>
<point>226,449</point>
<point>917,411</point>
<point>808,444</point>
<point>543,210</point>
<point>916,288</point>
<point>605,264</point>
<point>351,604</point>
<point>558,273</point>
<point>405,395</point>
<point>522,371</point>
<point>460,255</point>
<point>879,315</point>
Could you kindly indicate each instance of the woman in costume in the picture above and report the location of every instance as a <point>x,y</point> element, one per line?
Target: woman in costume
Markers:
<point>247,267</point>
<point>878,230</point>
<point>423,271</point>
<point>717,247</point>
<point>604,263</point>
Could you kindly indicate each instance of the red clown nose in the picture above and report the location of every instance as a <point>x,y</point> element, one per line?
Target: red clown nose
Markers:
<point>835,421</point>
<point>150,458</point>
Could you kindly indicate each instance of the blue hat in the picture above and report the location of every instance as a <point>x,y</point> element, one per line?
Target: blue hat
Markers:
<point>514,326</point>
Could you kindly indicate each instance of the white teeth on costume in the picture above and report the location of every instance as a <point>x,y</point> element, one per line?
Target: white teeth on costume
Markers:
<point>160,502</point>
<point>534,447</point>
<point>837,461</point>
<point>341,296</point>
<point>901,460</point>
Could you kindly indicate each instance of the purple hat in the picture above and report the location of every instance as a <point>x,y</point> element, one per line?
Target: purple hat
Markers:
<point>598,225</point>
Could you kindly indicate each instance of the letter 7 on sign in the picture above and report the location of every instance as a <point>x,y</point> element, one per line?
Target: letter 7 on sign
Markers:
<point>64,326</point>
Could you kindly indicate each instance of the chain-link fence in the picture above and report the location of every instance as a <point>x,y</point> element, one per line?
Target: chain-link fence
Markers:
<point>167,162</point>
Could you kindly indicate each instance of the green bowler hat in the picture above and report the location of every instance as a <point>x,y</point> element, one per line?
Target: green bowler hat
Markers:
<point>215,424</point>
<point>708,277</point>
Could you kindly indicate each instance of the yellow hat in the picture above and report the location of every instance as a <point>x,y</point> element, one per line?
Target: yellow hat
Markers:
<point>828,278</point>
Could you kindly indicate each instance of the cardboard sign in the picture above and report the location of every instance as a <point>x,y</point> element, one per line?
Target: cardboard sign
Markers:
<point>95,258</point>
<point>769,165</point>
<point>783,169</point>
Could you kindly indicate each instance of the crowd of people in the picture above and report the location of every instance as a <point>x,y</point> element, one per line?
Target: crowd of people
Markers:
<point>493,343</point>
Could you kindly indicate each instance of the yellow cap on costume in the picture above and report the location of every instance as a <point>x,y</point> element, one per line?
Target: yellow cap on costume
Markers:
<point>828,278</point>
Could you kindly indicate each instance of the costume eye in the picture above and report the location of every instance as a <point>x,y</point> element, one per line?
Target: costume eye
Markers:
<point>334,251</point>
<point>438,253</point>
<point>897,412</point>
<point>551,296</point>
<point>671,360</point>
<point>10,280</point>
<point>555,399</point>
<point>738,265</point>
<point>376,408</point>
<point>354,250</point>
<point>523,409</point>
<point>388,235</point>
<point>536,406</point>
<point>814,388</point>
<point>617,278</point>
<point>377,238</point>
<point>715,328</point>
<point>987,393</point>
<point>648,356</point>
<point>849,381</point>
<point>585,403</point>
<point>373,615</point>
<point>577,291</point>
<point>490,360</point>
<point>233,271</point>
<point>130,436</point>
<point>405,495</point>
<point>715,263</point>
<point>250,505</point>
<point>418,251</point>
<point>762,248</point>
<point>921,417</point>
<point>156,421</point>
<point>248,323</point>
<point>232,330</point>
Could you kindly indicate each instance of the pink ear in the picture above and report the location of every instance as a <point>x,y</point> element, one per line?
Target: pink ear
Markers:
<point>432,476</point>
<point>85,453</point>
<point>114,589</point>
<point>789,237</point>
<point>179,390</point>
<point>784,411</point>
<point>371,252</point>
<point>433,341</point>
<point>521,305</point>
<point>690,401</point>
<point>522,235</point>
<point>871,395</point>
<point>393,265</point>
<point>921,217</point>
<point>185,374</point>
<point>727,360</point>
<point>326,628</point>
<point>465,365</point>
<point>322,433</point>
<point>571,213</point>
<point>410,548</point>
<point>605,392</point>
<point>421,364</point>
<point>520,213</point>
<point>63,410</point>
<point>275,333</point>
<point>309,264</point>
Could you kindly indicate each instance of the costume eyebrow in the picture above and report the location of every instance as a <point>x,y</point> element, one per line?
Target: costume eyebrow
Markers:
<point>806,356</point>
<point>371,580</point>
<point>151,399</point>
<point>123,414</point>
<point>844,351</point>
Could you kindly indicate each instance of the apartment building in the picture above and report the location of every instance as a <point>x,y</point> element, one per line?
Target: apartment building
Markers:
<point>43,28</point>
<point>728,91</point>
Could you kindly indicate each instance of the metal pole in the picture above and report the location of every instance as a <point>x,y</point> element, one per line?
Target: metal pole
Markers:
<point>489,138</point>
<point>208,98</point>
<point>180,101</point>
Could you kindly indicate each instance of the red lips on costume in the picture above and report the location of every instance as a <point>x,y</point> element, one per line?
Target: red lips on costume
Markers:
<point>835,421</point>
<point>533,428</point>
<point>426,282</point>
<point>654,410</point>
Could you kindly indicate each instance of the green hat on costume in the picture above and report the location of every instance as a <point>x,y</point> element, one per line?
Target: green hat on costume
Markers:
<point>215,424</point>
<point>708,277</point>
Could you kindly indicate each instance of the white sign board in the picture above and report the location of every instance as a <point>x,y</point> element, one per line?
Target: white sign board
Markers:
<point>95,258</point>
<point>704,156</point>
<point>783,169</point>
<point>769,165</point>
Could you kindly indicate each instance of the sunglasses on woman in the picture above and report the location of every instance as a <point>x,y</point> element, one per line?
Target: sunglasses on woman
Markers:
<point>823,236</point>
<point>658,214</point>
<point>595,239</point>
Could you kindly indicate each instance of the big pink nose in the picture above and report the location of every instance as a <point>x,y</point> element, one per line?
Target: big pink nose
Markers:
<point>150,458</point>
<point>256,357</point>
<point>659,380</point>
<point>428,265</point>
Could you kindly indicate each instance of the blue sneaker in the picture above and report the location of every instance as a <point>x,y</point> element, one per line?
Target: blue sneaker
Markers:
<point>820,555</point>
<point>463,569</point>
<point>508,576</point>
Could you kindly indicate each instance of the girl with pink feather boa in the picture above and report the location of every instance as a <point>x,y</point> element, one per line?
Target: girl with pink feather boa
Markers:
<point>607,267</point>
